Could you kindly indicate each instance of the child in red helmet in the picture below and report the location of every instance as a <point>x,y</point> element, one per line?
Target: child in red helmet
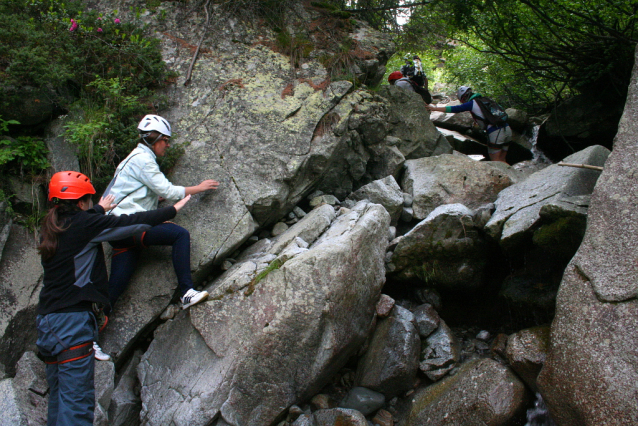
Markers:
<point>75,281</point>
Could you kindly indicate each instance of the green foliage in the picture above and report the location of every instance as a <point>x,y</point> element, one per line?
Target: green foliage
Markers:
<point>24,155</point>
<point>275,264</point>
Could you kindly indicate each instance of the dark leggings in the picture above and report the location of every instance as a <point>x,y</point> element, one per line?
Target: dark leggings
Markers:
<point>126,253</point>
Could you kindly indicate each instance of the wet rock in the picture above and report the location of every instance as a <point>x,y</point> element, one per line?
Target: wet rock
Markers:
<point>390,364</point>
<point>363,400</point>
<point>427,319</point>
<point>526,353</point>
<point>61,155</point>
<point>499,345</point>
<point>450,179</point>
<point>440,352</point>
<point>445,250</point>
<point>482,392</point>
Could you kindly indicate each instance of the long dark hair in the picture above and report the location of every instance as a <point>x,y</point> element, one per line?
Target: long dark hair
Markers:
<point>52,225</point>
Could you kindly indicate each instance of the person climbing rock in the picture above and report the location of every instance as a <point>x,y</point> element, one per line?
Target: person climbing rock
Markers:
<point>397,79</point>
<point>499,133</point>
<point>75,287</point>
<point>137,186</point>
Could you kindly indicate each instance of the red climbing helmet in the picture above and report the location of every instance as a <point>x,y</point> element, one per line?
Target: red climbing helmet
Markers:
<point>70,186</point>
<point>394,76</point>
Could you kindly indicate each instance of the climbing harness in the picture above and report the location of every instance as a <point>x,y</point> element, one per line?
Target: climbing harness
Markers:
<point>71,354</point>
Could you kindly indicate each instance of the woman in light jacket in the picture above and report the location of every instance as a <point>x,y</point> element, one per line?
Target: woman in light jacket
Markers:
<point>137,186</point>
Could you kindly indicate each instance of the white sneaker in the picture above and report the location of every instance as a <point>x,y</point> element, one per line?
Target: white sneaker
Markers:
<point>192,297</point>
<point>99,355</point>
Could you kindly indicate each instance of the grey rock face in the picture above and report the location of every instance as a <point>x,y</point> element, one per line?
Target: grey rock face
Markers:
<point>518,207</point>
<point>390,364</point>
<point>444,250</point>
<point>20,282</point>
<point>31,388</point>
<point>11,414</point>
<point>261,345</point>
<point>385,192</point>
<point>440,352</point>
<point>449,179</point>
<point>61,155</point>
<point>526,352</point>
<point>590,375</point>
<point>125,405</point>
<point>482,392</point>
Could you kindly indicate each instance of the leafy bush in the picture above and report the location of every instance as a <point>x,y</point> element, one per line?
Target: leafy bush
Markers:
<point>24,155</point>
<point>109,65</point>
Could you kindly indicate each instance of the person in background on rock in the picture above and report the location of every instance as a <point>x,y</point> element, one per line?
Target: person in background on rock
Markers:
<point>137,186</point>
<point>408,69</point>
<point>397,79</point>
<point>419,76</point>
<point>499,137</point>
<point>75,287</point>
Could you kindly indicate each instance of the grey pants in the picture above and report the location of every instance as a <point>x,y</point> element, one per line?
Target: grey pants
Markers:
<point>72,391</point>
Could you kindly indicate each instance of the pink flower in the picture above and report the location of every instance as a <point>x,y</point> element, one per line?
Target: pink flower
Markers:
<point>99,30</point>
<point>117,20</point>
<point>99,18</point>
<point>74,25</point>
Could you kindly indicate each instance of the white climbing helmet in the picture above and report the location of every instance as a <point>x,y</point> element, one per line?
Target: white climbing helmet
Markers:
<point>152,122</point>
<point>462,91</point>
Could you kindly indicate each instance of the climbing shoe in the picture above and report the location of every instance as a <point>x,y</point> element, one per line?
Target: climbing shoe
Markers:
<point>193,297</point>
<point>99,355</point>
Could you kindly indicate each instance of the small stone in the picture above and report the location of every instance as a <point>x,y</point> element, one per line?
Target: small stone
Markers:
<point>407,200</point>
<point>483,335</point>
<point>226,265</point>
<point>292,216</point>
<point>279,229</point>
<point>324,199</point>
<point>499,345</point>
<point>169,312</point>
<point>299,212</point>
<point>321,402</point>
<point>301,243</point>
<point>383,418</point>
<point>364,400</point>
<point>407,214</point>
<point>392,233</point>
<point>315,194</point>
<point>388,256</point>
<point>427,319</point>
<point>253,239</point>
<point>385,305</point>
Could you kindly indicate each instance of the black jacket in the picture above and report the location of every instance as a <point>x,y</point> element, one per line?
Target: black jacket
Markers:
<point>75,276</point>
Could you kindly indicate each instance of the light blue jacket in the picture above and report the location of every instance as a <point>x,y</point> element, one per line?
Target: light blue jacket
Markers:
<point>138,183</point>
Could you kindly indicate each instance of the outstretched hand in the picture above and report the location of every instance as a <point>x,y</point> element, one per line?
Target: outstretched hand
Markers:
<point>181,203</point>
<point>208,184</point>
<point>107,202</point>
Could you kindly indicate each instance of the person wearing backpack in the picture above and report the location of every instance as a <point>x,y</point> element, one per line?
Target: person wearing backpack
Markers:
<point>488,115</point>
<point>75,286</point>
<point>137,186</point>
<point>397,79</point>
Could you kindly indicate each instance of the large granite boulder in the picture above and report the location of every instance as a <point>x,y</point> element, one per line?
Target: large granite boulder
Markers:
<point>385,192</point>
<point>591,374</point>
<point>445,250</point>
<point>269,338</point>
<point>518,207</point>
<point>482,392</point>
<point>449,179</point>
<point>269,136</point>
